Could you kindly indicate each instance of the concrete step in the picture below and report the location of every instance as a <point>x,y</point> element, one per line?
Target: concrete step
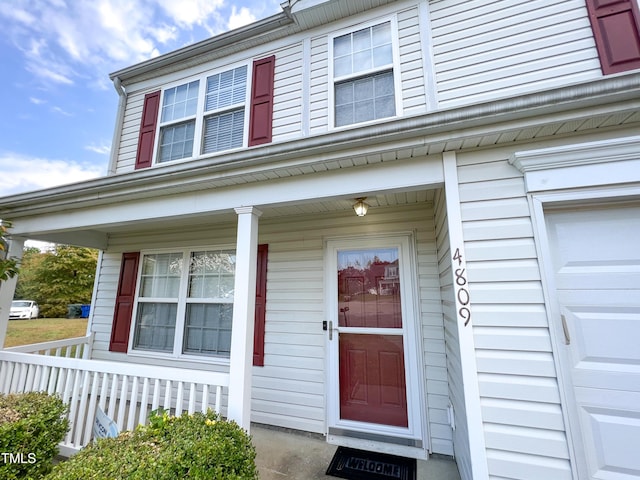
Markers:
<point>289,455</point>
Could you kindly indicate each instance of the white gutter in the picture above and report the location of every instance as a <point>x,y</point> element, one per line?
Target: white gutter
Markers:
<point>117,132</point>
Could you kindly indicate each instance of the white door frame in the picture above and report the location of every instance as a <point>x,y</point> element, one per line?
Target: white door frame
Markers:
<point>351,433</point>
<point>540,203</point>
<point>573,175</point>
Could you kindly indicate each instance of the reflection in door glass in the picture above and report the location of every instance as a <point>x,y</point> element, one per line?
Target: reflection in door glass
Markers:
<point>369,288</point>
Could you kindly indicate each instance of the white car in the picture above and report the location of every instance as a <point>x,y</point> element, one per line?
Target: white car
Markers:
<point>24,309</point>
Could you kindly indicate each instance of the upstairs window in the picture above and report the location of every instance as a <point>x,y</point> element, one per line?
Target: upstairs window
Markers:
<point>178,122</point>
<point>363,75</point>
<point>203,116</point>
<point>224,110</point>
<point>207,115</point>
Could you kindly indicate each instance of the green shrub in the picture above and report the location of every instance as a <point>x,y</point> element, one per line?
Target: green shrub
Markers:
<point>194,446</point>
<point>31,426</point>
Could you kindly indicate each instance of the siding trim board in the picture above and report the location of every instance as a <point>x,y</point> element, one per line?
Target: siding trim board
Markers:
<point>475,450</point>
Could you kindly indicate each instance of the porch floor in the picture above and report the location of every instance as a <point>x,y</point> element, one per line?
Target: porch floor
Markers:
<point>295,456</point>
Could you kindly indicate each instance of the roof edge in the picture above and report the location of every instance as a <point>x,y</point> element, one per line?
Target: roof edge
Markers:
<point>224,39</point>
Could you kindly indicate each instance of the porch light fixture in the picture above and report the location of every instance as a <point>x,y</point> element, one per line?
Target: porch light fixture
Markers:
<point>360,207</point>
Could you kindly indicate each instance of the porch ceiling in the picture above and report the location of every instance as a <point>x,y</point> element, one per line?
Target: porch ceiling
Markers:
<point>96,237</point>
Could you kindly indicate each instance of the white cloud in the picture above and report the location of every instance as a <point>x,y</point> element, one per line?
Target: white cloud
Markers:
<point>37,101</point>
<point>101,149</point>
<point>64,43</point>
<point>240,18</point>
<point>68,42</point>
<point>60,111</point>
<point>11,11</point>
<point>21,173</point>
<point>188,13</point>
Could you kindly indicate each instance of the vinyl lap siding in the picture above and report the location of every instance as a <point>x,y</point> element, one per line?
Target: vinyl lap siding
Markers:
<point>460,442</point>
<point>485,50</point>
<point>433,340</point>
<point>414,98</point>
<point>105,303</point>
<point>289,390</point>
<point>287,93</point>
<point>524,429</point>
<point>130,132</point>
<point>319,85</point>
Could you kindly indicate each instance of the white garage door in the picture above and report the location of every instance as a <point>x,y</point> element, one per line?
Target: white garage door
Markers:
<point>596,257</point>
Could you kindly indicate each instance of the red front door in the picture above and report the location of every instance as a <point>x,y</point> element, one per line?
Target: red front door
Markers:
<point>371,344</point>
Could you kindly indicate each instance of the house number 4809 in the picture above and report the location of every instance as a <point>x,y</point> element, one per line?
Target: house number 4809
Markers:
<point>462,293</point>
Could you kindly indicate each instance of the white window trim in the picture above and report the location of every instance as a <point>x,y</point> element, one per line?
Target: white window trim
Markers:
<point>397,84</point>
<point>198,137</point>
<point>181,310</point>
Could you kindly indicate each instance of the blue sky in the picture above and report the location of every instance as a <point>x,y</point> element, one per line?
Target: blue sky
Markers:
<point>58,104</point>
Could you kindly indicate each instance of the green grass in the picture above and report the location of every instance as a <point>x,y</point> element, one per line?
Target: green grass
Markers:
<point>25,332</point>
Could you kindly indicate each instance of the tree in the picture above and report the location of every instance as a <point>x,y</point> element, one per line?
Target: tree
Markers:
<point>8,266</point>
<point>57,278</point>
<point>27,286</point>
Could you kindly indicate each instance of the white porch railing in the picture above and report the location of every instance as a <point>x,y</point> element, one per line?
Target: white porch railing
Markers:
<point>78,347</point>
<point>126,392</point>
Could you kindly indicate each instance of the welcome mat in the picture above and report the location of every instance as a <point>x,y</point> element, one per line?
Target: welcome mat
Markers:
<point>360,465</point>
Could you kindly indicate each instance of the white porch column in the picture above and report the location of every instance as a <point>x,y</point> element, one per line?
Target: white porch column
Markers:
<point>8,287</point>
<point>244,305</point>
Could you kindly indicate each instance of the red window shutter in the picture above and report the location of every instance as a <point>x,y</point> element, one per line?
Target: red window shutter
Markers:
<point>125,297</point>
<point>261,109</point>
<point>146,138</point>
<point>261,303</point>
<point>616,29</point>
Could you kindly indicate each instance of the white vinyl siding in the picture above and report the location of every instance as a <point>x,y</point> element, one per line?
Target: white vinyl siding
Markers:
<point>453,367</point>
<point>412,64</point>
<point>289,391</point>
<point>319,85</point>
<point>486,50</point>
<point>520,399</point>
<point>287,94</point>
<point>128,141</point>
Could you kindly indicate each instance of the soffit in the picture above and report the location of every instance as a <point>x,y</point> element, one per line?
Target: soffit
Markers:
<point>378,202</point>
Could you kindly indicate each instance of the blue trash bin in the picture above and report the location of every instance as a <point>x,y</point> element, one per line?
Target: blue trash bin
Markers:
<point>85,309</point>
